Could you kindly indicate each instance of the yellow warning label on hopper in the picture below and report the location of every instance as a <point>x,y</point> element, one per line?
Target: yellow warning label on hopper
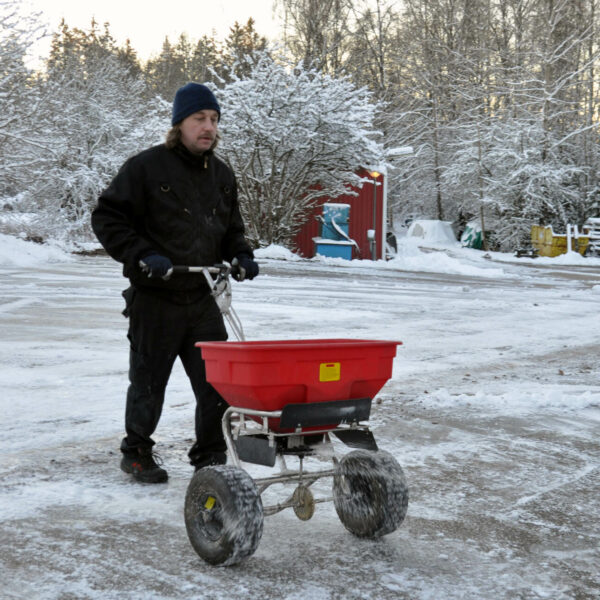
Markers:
<point>329,371</point>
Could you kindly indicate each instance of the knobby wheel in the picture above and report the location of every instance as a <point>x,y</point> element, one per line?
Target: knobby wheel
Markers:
<point>370,493</point>
<point>223,514</point>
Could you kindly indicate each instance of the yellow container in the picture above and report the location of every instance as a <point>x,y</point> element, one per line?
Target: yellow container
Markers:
<point>548,243</point>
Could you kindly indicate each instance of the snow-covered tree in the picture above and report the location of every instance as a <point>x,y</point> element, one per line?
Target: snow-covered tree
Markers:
<point>373,53</point>
<point>528,153</point>
<point>511,173</point>
<point>499,100</point>
<point>292,136</point>
<point>95,115</point>
<point>19,99</point>
<point>316,32</point>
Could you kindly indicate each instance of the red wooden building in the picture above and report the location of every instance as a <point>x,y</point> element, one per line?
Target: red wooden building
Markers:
<point>367,213</point>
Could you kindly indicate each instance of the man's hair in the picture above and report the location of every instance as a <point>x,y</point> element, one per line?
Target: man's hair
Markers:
<point>174,137</point>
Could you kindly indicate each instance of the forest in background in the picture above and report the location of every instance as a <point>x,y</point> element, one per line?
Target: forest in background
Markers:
<point>499,100</point>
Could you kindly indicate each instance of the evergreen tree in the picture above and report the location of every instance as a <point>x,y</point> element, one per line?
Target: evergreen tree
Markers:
<point>206,58</point>
<point>162,73</point>
<point>128,57</point>
<point>242,47</point>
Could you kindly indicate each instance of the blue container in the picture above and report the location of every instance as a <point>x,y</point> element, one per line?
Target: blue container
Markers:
<point>341,214</point>
<point>329,232</point>
<point>334,249</point>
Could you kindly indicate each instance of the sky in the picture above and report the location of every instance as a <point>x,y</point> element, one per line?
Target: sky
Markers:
<point>146,24</point>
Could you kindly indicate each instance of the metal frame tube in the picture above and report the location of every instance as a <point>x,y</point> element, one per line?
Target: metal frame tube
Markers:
<point>226,427</point>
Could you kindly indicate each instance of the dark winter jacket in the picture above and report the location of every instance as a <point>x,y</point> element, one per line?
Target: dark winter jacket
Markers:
<point>171,202</point>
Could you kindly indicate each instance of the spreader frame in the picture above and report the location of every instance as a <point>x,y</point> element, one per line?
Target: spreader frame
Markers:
<point>286,397</point>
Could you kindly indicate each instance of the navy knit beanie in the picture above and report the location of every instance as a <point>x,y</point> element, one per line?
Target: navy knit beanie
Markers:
<point>191,98</point>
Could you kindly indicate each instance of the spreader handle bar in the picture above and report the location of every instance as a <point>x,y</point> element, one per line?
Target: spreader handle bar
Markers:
<point>183,269</point>
<point>220,289</point>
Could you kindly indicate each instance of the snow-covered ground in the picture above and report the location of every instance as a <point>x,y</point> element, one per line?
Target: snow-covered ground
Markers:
<point>493,411</point>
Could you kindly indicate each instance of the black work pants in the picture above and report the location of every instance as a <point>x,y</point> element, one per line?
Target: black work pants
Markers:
<point>159,331</point>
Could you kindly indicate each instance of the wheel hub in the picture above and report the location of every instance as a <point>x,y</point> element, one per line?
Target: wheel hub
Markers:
<point>304,503</point>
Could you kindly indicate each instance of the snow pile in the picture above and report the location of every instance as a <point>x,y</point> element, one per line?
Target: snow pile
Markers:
<point>15,252</point>
<point>568,258</point>
<point>275,252</point>
<point>410,257</point>
<point>572,259</point>
<point>437,257</point>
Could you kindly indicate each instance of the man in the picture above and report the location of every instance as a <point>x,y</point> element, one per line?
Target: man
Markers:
<point>173,204</point>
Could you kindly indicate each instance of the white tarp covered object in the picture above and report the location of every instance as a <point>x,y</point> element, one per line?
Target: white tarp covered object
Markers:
<point>436,232</point>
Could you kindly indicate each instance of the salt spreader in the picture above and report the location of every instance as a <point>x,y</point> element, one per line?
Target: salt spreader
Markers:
<point>287,398</point>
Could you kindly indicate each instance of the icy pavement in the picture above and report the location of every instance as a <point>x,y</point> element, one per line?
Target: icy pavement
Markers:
<point>493,411</point>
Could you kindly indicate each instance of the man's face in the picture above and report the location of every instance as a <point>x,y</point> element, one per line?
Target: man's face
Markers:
<point>199,130</point>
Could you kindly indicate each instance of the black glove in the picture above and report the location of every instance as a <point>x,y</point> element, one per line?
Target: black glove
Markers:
<point>156,265</point>
<point>244,267</point>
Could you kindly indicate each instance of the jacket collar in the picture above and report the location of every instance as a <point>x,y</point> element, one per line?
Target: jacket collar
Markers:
<point>200,160</point>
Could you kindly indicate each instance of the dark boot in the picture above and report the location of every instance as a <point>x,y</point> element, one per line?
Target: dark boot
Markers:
<point>208,459</point>
<point>142,465</point>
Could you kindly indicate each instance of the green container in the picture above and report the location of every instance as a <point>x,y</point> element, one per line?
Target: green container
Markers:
<point>472,236</point>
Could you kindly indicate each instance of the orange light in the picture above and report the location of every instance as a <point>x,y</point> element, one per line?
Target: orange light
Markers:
<point>375,174</point>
